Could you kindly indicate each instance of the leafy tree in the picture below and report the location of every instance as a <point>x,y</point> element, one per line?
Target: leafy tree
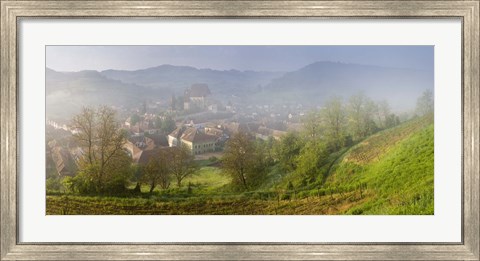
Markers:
<point>425,103</point>
<point>335,122</point>
<point>262,160</point>
<point>182,163</point>
<point>369,124</point>
<point>240,161</point>
<point>157,171</point>
<point>355,115</point>
<point>312,125</point>
<point>310,160</point>
<point>269,147</point>
<point>118,173</point>
<point>102,141</point>
<point>287,151</point>
<point>168,125</point>
<point>383,113</point>
<point>360,116</point>
<point>392,120</point>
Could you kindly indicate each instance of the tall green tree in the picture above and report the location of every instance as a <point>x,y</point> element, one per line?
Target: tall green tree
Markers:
<point>287,150</point>
<point>311,158</point>
<point>240,161</point>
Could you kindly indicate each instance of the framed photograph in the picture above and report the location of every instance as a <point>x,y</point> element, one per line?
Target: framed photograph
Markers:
<point>240,130</point>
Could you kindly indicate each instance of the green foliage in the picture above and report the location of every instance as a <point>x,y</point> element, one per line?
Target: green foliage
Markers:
<point>68,184</point>
<point>311,158</point>
<point>158,171</point>
<point>168,125</point>
<point>54,183</point>
<point>399,179</point>
<point>116,177</point>
<point>287,151</point>
<point>84,182</point>
<point>334,120</point>
<point>244,161</point>
<point>361,111</point>
<point>290,186</point>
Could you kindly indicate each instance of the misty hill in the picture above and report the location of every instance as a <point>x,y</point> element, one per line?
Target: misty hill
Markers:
<point>177,78</point>
<point>320,80</point>
<point>68,92</point>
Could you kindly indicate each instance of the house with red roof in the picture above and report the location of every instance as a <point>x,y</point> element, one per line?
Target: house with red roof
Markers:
<point>196,140</point>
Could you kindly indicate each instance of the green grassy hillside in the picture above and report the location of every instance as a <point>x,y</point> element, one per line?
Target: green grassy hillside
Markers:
<point>393,169</point>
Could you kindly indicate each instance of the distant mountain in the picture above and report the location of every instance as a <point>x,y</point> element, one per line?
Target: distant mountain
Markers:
<point>320,80</point>
<point>68,92</point>
<point>177,78</point>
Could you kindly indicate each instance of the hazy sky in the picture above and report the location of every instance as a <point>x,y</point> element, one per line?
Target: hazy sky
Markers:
<point>258,58</point>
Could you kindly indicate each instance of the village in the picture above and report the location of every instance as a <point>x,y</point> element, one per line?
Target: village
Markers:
<point>196,120</point>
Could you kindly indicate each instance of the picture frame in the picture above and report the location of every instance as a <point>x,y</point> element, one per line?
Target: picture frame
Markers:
<point>13,11</point>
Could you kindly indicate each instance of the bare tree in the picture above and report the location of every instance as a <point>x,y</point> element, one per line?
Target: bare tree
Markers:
<point>84,123</point>
<point>102,140</point>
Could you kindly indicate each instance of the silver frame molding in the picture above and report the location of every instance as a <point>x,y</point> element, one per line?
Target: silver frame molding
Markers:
<point>13,11</point>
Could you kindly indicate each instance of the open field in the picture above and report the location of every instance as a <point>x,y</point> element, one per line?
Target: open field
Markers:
<point>221,205</point>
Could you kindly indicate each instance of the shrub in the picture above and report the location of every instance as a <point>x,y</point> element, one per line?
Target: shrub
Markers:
<point>54,184</point>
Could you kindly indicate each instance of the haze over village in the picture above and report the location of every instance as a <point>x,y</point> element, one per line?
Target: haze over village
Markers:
<point>201,97</point>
